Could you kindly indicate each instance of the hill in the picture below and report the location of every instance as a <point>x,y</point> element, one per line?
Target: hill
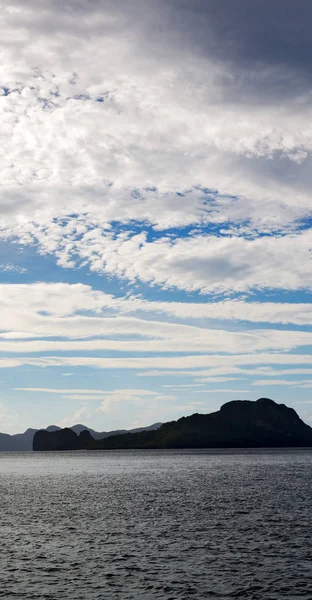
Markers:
<point>23,442</point>
<point>62,439</point>
<point>238,424</point>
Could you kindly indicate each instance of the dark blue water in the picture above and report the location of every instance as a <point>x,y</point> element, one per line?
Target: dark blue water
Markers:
<point>156,524</point>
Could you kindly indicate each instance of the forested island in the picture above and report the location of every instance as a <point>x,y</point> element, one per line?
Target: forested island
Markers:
<point>238,424</point>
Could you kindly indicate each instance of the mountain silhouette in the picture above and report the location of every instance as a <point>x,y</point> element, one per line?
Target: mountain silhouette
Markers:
<point>23,442</point>
<point>63,439</point>
<point>238,424</point>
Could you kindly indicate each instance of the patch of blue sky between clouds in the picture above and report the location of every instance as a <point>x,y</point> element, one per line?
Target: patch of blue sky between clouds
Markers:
<point>26,265</point>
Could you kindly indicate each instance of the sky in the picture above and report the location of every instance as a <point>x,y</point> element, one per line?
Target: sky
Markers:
<point>155,209</point>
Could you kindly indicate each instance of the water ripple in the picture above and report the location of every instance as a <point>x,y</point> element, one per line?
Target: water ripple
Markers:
<point>167,525</point>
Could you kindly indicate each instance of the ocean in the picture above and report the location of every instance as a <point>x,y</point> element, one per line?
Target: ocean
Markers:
<point>165,525</point>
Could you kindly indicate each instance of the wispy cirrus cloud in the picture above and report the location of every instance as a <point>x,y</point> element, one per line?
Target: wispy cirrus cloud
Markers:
<point>217,363</point>
<point>31,307</point>
<point>90,321</point>
<point>303,383</point>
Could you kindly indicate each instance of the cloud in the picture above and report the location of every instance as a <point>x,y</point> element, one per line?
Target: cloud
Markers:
<point>213,138</point>
<point>107,397</point>
<point>225,390</point>
<point>33,307</point>
<point>263,36</point>
<point>81,415</point>
<point>138,397</point>
<point>231,310</point>
<point>62,391</point>
<point>201,340</point>
<point>183,386</point>
<point>206,263</point>
<point>10,268</point>
<point>304,383</point>
<point>213,379</point>
<point>217,363</point>
<point>9,421</point>
<point>88,321</point>
<point>182,163</point>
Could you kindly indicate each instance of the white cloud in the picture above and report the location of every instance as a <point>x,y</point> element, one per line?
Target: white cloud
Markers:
<point>82,415</point>
<point>226,390</point>
<point>75,313</point>
<point>217,363</point>
<point>231,310</point>
<point>134,396</point>
<point>65,154</point>
<point>9,268</point>
<point>107,397</point>
<point>204,263</point>
<point>9,421</point>
<point>304,383</point>
<point>213,379</point>
<point>183,386</point>
<point>39,309</point>
<point>203,340</point>
<point>62,391</point>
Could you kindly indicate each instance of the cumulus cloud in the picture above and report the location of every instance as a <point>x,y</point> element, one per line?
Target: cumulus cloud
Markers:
<point>81,415</point>
<point>139,397</point>
<point>203,263</point>
<point>87,143</point>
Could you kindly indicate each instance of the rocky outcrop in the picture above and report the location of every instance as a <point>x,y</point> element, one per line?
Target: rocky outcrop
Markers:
<point>64,439</point>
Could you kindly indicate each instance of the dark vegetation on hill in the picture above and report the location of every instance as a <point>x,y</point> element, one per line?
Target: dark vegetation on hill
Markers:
<point>238,424</point>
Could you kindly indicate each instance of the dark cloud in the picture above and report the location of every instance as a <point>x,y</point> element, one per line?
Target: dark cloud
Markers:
<point>267,44</point>
<point>268,31</point>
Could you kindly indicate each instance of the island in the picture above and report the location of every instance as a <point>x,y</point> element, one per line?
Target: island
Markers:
<point>63,439</point>
<point>238,424</point>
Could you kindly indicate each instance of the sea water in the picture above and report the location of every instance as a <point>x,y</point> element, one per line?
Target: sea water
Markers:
<point>156,525</point>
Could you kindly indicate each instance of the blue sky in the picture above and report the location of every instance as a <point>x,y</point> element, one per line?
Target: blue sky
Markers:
<point>155,246</point>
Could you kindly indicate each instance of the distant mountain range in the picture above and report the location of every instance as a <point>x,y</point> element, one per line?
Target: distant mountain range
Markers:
<point>238,424</point>
<point>23,442</point>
